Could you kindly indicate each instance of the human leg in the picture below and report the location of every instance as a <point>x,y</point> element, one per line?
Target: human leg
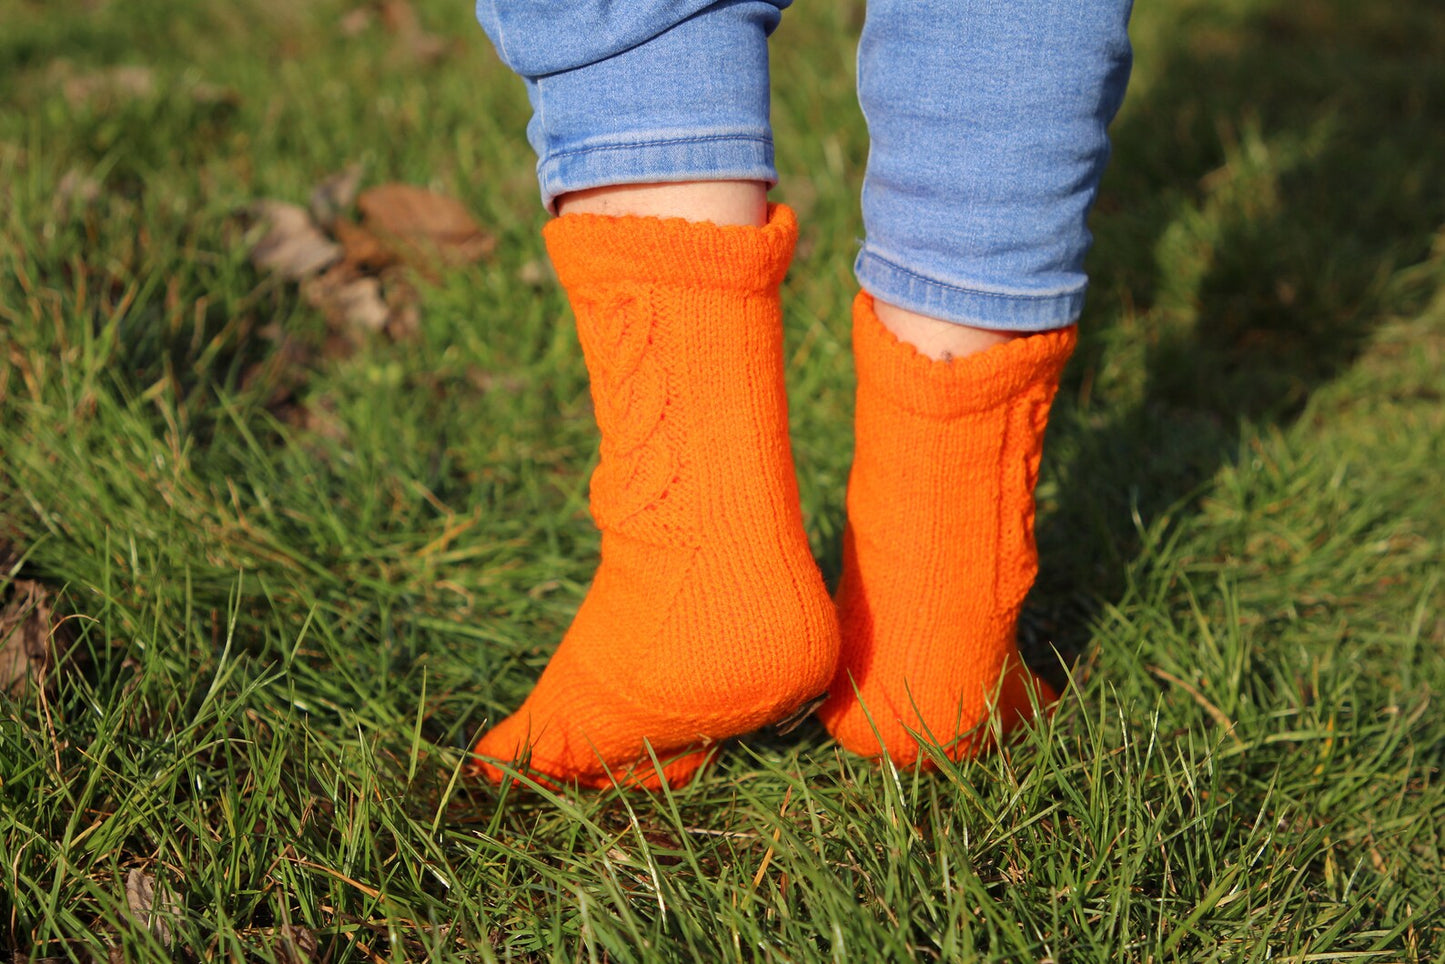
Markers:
<point>742,203</point>
<point>988,126</point>
<point>707,616</point>
<point>643,93</point>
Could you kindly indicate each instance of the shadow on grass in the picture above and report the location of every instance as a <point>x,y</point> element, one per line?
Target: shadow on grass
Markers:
<point>1272,175</point>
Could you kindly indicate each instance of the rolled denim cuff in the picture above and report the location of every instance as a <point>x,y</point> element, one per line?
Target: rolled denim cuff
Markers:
<point>987,129</point>
<point>689,104</point>
<point>661,158</point>
<point>978,305</point>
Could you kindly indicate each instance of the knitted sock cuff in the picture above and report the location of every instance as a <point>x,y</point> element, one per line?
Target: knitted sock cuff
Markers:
<point>589,249</point>
<point>899,373</point>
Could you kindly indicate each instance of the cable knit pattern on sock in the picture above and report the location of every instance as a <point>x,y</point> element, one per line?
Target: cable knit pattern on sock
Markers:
<point>630,398</point>
<point>707,617</point>
<point>939,550</point>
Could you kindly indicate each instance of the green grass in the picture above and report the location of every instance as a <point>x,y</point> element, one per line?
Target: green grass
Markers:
<point>285,637</point>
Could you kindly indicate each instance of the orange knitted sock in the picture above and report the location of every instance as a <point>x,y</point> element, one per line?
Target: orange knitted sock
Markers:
<point>939,550</point>
<point>707,617</point>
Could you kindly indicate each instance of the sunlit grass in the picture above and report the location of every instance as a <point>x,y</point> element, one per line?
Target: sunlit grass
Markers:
<point>286,636</point>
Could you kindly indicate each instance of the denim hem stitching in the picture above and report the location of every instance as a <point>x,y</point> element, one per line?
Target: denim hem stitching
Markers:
<point>633,145</point>
<point>1061,294</point>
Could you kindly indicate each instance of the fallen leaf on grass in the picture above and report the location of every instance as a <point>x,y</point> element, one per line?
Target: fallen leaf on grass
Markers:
<point>403,302</point>
<point>33,641</point>
<point>357,304</point>
<point>292,944</point>
<point>362,248</point>
<point>354,22</point>
<point>292,245</point>
<point>401,19</point>
<point>425,228</point>
<point>352,274</point>
<point>152,906</point>
<point>358,275</point>
<point>335,195</point>
<point>350,300</point>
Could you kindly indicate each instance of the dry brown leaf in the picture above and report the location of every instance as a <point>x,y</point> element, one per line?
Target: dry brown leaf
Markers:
<point>399,16</point>
<point>153,907</point>
<point>292,245</point>
<point>363,249</point>
<point>361,305</point>
<point>351,301</point>
<point>25,629</point>
<point>33,641</point>
<point>428,47</point>
<point>293,944</point>
<point>427,229</point>
<point>400,19</point>
<point>404,304</point>
<point>334,196</point>
<point>355,278</point>
<point>354,22</point>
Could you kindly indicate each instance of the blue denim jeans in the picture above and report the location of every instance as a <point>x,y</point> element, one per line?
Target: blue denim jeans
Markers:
<point>987,123</point>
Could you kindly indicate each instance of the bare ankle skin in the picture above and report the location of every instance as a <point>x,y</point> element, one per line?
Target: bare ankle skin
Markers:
<point>721,202</point>
<point>938,339</point>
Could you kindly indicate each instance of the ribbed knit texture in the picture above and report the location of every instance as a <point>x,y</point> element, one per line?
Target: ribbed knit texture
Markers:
<point>939,549</point>
<point>707,617</point>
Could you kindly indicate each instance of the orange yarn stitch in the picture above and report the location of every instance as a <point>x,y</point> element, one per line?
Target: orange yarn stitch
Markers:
<point>939,550</point>
<point>707,617</point>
